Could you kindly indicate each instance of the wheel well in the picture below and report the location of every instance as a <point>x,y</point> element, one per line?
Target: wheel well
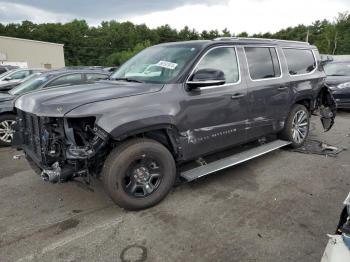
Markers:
<point>305,102</point>
<point>165,136</point>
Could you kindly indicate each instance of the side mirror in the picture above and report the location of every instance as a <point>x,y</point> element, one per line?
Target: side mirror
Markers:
<point>7,78</point>
<point>206,77</point>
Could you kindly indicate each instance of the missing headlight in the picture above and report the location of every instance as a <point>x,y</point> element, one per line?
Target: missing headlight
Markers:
<point>84,138</point>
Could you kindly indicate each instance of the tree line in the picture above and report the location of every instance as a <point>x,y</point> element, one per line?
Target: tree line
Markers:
<point>112,43</point>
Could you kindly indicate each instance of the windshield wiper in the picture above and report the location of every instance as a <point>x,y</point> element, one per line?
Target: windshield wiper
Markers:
<point>127,79</point>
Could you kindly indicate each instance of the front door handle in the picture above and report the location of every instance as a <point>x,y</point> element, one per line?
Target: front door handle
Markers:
<point>237,95</point>
<point>281,88</point>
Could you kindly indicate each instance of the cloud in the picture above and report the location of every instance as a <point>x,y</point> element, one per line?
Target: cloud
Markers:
<point>11,12</point>
<point>252,16</point>
<point>105,9</point>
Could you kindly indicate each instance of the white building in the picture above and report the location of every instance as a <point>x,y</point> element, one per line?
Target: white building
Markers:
<point>31,53</point>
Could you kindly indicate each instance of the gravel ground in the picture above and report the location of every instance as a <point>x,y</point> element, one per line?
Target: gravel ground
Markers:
<point>278,207</point>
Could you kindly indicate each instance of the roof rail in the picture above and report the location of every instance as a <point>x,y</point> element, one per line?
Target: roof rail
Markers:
<point>226,38</point>
<point>261,39</point>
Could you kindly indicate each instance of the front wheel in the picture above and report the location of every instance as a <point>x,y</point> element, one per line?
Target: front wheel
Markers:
<point>139,174</point>
<point>296,128</point>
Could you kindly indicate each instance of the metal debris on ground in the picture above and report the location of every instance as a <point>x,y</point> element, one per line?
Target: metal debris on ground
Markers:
<point>319,148</point>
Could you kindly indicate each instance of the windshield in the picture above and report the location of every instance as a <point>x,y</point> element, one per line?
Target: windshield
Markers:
<point>30,85</point>
<point>158,64</point>
<point>337,69</point>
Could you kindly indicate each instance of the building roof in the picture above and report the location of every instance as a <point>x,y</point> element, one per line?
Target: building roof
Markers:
<point>29,40</point>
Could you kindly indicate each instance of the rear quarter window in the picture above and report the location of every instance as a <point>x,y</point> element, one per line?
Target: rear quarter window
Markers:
<point>299,61</point>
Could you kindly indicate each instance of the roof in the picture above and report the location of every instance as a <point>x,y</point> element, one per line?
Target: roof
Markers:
<point>262,40</point>
<point>29,40</point>
<point>244,41</point>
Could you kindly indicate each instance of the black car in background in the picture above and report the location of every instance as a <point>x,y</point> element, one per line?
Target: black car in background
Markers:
<point>50,79</point>
<point>338,80</point>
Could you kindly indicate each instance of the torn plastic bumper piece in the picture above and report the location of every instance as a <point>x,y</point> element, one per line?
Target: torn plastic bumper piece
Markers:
<point>328,108</point>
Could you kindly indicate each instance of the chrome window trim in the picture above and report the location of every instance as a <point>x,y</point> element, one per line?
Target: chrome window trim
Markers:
<point>218,86</point>
<point>300,48</point>
<point>263,79</point>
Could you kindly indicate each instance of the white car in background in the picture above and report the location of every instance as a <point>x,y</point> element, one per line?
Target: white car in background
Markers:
<point>338,247</point>
<point>17,75</point>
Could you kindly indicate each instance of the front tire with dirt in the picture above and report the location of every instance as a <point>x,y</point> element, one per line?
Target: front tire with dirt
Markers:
<point>139,173</point>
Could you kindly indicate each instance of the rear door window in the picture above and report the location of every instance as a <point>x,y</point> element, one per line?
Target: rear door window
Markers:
<point>263,62</point>
<point>299,61</point>
<point>72,79</point>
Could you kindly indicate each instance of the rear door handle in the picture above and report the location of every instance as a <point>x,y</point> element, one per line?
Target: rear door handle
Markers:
<point>282,88</point>
<point>237,95</point>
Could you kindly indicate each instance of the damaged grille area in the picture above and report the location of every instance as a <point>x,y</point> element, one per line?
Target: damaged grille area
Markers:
<point>60,146</point>
<point>42,138</point>
<point>31,126</point>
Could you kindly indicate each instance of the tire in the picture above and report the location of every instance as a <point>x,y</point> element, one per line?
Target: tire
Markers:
<point>6,133</point>
<point>290,131</point>
<point>139,173</point>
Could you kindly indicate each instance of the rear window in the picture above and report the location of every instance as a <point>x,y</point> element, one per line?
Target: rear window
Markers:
<point>299,61</point>
<point>263,62</point>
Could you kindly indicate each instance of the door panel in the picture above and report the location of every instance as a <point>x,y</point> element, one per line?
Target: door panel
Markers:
<point>215,117</point>
<point>268,93</point>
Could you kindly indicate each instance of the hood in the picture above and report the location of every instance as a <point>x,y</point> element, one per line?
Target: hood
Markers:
<point>336,80</point>
<point>57,102</point>
<point>6,97</point>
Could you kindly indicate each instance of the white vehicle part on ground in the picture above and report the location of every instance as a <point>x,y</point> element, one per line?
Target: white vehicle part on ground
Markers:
<point>336,250</point>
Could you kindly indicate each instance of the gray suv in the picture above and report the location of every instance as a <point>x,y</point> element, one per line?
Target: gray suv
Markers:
<point>164,112</point>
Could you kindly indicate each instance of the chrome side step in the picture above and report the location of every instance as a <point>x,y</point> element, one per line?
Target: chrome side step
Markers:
<point>233,160</point>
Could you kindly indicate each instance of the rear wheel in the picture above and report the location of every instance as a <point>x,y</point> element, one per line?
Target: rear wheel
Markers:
<point>139,173</point>
<point>296,128</point>
<point>6,131</point>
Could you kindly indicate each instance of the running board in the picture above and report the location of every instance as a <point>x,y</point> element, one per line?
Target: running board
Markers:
<point>233,160</point>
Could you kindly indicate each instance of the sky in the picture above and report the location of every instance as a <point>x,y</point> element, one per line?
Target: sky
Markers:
<point>252,16</point>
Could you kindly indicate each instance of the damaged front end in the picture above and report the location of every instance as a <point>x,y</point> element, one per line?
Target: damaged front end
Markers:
<point>62,148</point>
<point>327,107</point>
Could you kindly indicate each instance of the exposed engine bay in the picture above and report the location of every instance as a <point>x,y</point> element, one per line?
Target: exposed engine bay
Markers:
<point>63,148</point>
